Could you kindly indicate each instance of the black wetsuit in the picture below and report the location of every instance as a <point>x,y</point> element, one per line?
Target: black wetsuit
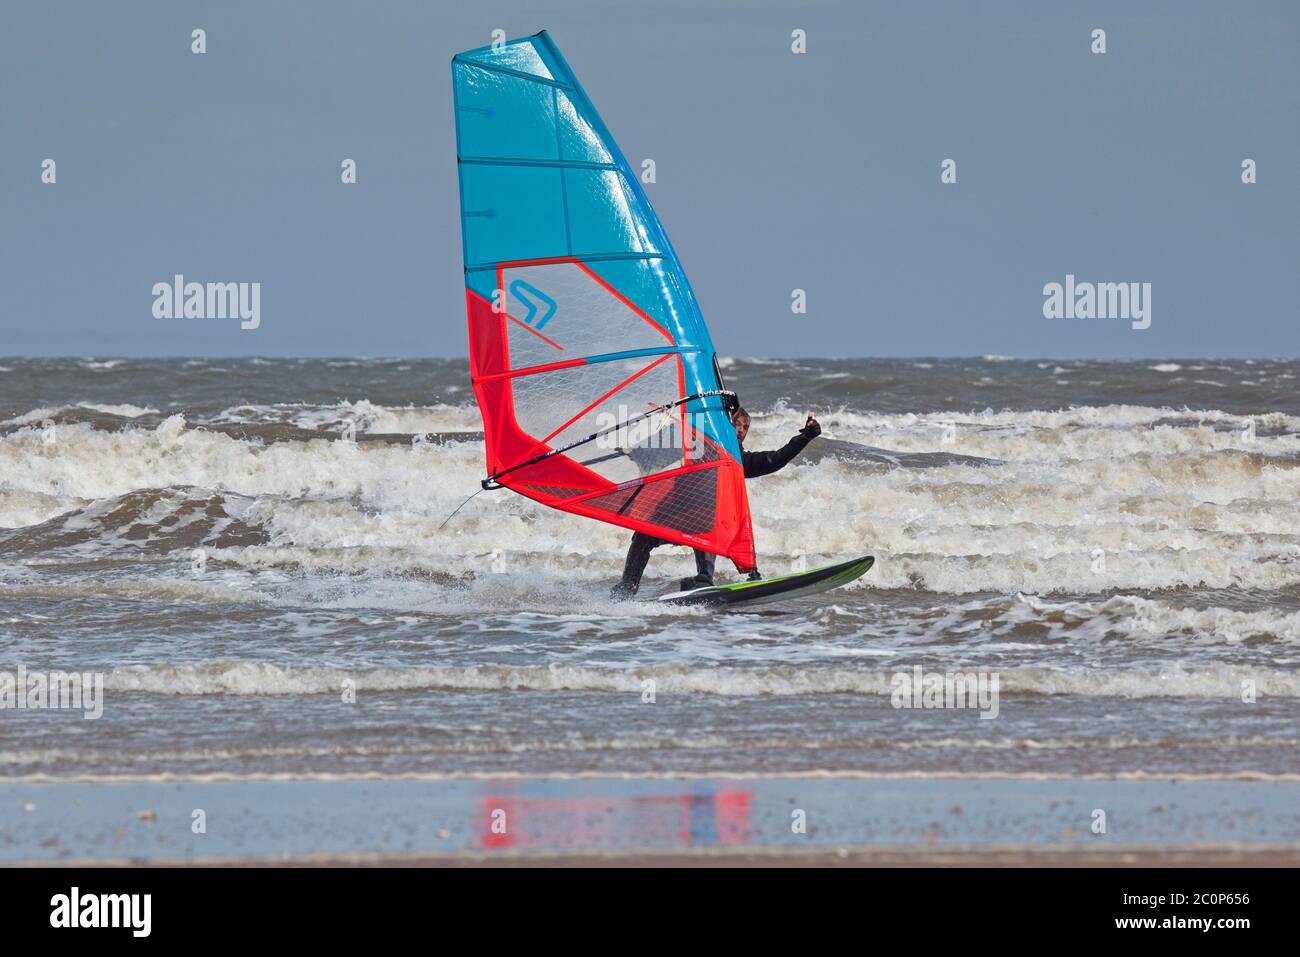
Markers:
<point>755,464</point>
<point>765,463</point>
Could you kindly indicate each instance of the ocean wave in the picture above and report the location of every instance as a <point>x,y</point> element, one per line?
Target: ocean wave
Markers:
<point>123,410</point>
<point>1141,616</point>
<point>502,741</point>
<point>262,678</point>
<point>363,416</point>
<point>1130,501</point>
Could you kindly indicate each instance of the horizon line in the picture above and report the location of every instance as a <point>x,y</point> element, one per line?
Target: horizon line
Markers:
<point>986,357</point>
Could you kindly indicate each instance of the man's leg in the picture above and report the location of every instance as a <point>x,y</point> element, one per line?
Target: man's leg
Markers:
<point>704,562</point>
<point>638,555</point>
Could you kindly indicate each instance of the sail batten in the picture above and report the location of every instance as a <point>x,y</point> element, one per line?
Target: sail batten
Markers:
<point>591,364</point>
<point>523,161</point>
<point>590,257</point>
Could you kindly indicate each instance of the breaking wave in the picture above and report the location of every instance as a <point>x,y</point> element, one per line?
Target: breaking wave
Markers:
<point>260,678</point>
<point>1081,500</point>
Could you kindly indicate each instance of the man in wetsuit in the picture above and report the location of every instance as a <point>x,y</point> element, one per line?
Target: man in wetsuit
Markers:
<point>755,464</point>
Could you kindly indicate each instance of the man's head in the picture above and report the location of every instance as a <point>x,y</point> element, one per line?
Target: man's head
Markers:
<point>740,419</point>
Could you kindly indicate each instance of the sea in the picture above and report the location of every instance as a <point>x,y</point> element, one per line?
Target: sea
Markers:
<point>250,555</point>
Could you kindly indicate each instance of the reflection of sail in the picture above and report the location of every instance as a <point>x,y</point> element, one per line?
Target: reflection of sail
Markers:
<point>705,819</point>
<point>580,315</point>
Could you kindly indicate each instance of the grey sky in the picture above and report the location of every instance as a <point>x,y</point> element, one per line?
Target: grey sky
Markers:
<point>775,171</point>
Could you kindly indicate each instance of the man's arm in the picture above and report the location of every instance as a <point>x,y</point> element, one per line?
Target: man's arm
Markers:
<point>765,463</point>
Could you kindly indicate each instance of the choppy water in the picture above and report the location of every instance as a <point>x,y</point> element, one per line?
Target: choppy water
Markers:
<point>1119,542</point>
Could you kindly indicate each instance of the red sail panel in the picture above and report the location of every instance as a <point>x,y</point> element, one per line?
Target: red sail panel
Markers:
<point>660,476</point>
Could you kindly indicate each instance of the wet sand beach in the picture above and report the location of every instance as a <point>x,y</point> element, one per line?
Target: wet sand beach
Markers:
<point>750,821</point>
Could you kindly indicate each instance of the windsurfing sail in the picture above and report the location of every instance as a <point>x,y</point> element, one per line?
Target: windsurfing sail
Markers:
<point>593,370</point>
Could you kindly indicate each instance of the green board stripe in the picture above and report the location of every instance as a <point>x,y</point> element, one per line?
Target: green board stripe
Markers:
<point>848,574</point>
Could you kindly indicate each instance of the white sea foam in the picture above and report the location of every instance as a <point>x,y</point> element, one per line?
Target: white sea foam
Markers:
<point>1145,616</point>
<point>124,409</point>
<point>19,508</point>
<point>262,678</point>
<point>1086,499</point>
<point>363,415</point>
<point>176,590</point>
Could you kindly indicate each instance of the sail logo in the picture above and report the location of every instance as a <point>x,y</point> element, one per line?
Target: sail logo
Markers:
<point>1100,300</point>
<point>526,293</point>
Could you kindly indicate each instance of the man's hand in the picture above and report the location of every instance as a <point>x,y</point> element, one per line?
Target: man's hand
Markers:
<point>811,429</point>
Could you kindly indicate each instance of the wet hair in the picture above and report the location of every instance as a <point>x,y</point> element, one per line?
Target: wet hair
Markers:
<point>739,413</point>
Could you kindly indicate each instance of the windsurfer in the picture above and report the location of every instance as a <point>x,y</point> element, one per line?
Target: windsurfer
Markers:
<point>755,464</point>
